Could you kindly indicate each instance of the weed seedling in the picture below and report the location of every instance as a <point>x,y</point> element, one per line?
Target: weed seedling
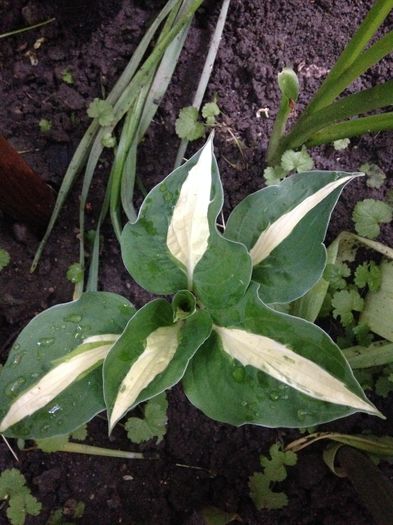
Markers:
<point>14,490</point>
<point>4,258</point>
<point>261,484</point>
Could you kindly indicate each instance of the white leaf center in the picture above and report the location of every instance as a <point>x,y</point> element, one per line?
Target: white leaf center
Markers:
<point>161,346</point>
<point>280,229</point>
<point>285,365</point>
<point>188,232</point>
<point>58,379</point>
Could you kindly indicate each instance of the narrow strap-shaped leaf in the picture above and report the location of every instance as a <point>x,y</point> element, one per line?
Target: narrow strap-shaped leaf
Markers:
<point>258,365</point>
<point>283,227</point>
<point>175,244</point>
<point>349,106</point>
<point>82,152</point>
<point>353,128</point>
<point>151,356</point>
<point>374,19</point>
<point>54,366</point>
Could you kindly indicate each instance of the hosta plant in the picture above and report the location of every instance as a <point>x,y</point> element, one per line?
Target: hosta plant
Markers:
<point>240,360</point>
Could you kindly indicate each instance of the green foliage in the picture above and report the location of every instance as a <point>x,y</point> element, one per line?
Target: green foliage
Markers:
<point>153,425</point>
<point>14,490</point>
<point>4,258</point>
<point>297,161</point>
<point>56,443</point>
<point>108,140</point>
<point>214,516</point>
<point>368,215</point>
<point>75,273</point>
<point>344,303</point>
<point>362,334</point>
<point>67,77</point>
<point>368,274</point>
<point>274,470</point>
<point>188,125</point>
<point>274,175</point>
<point>330,116</point>
<point>336,274</point>
<point>240,361</point>
<point>375,176</point>
<point>341,144</point>
<point>288,83</point>
<point>209,112</point>
<point>76,511</point>
<point>45,125</point>
<point>101,110</point>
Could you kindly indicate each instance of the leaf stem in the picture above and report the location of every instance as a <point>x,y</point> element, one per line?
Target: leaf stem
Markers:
<point>29,28</point>
<point>79,448</point>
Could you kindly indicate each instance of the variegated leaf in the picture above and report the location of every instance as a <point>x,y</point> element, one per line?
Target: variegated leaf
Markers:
<point>263,367</point>
<point>151,355</point>
<point>283,227</point>
<point>87,356</point>
<point>55,366</point>
<point>175,244</point>
<point>279,361</point>
<point>189,229</point>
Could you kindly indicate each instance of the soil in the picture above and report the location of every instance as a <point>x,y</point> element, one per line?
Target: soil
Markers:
<point>200,462</point>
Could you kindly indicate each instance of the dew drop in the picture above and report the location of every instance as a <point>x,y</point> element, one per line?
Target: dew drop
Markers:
<point>301,414</point>
<point>244,403</point>
<point>125,309</point>
<point>12,388</point>
<point>54,409</point>
<point>238,374</point>
<point>17,358</point>
<point>73,318</point>
<point>274,395</point>
<point>46,341</point>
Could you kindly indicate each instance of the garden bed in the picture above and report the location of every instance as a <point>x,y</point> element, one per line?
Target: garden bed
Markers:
<point>200,461</point>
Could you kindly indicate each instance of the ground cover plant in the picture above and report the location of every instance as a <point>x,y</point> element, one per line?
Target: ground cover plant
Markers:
<point>220,473</point>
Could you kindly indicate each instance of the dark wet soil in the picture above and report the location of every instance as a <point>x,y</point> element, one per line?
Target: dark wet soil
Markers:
<point>201,462</point>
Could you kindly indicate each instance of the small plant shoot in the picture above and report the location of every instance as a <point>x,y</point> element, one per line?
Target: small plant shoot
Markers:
<point>240,361</point>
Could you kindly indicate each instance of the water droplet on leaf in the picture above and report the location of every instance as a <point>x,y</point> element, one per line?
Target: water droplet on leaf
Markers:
<point>12,389</point>
<point>238,374</point>
<point>73,318</point>
<point>46,341</point>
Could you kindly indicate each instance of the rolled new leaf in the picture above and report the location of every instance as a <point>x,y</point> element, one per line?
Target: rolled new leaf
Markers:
<point>52,380</point>
<point>175,243</point>
<point>283,227</point>
<point>267,368</point>
<point>151,356</point>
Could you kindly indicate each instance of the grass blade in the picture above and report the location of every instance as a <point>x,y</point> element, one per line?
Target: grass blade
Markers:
<point>349,106</point>
<point>128,182</point>
<point>30,28</point>
<point>82,152</point>
<point>206,72</point>
<point>353,128</point>
<point>352,51</point>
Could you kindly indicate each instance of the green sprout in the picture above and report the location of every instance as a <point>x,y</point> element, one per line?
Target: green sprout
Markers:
<point>45,125</point>
<point>16,493</point>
